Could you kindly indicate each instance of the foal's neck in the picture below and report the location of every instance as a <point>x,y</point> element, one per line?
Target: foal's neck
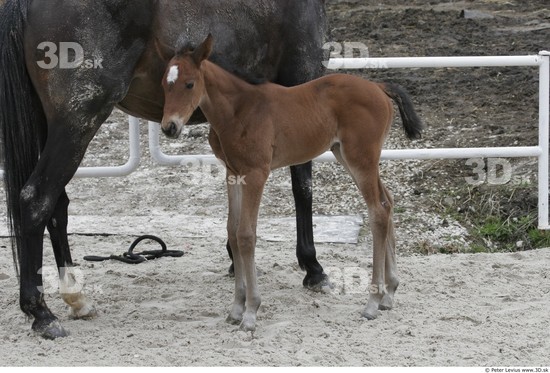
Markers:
<point>225,94</point>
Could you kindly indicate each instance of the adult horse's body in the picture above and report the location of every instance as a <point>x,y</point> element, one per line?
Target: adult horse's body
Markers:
<point>49,113</point>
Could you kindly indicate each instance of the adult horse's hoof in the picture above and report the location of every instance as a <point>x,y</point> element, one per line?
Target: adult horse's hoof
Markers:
<point>81,306</point>
<point>86,313</point>
<point>319,283</point>
<point>53,330</point>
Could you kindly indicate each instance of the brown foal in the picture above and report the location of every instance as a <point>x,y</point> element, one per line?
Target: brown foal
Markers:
<point>258,128</point>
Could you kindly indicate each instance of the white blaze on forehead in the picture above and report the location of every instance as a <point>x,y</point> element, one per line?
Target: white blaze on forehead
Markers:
<point>173,74</point>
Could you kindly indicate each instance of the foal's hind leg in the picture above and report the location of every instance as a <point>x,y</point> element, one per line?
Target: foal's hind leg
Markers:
<point>380,213</point>
<point>392,281</point>
<point>363,166</point>
<point>70,289</point>
<point>390,273</point>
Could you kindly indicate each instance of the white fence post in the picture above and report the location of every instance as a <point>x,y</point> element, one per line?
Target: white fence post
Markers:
<point>544,113</point>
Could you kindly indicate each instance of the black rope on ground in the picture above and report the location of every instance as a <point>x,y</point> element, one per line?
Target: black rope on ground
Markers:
<point>135,258</point>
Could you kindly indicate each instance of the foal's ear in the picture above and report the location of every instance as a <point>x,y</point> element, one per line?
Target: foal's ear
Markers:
<point>164,51</point>
<point>203,51</point>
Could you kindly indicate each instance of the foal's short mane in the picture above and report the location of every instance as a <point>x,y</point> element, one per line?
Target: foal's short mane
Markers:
<point>184,46</point>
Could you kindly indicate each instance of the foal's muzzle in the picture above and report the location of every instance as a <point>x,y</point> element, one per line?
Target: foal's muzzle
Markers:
<point>171,130</point>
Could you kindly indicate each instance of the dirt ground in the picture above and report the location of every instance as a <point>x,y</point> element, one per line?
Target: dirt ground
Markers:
<point>459,309</point>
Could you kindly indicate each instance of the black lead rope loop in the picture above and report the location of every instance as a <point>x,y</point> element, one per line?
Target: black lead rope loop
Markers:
<point>135,258</point>
<point>147,237</point>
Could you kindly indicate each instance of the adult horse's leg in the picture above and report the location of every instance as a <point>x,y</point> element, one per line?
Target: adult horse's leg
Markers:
<point>70,288</point>
<point>23,130</point>
<point>303,63</point>
<point>39,200</point>
<point>74,102</point>
<point>315,278</point>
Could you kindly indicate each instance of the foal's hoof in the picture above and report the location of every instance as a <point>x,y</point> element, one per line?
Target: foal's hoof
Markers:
<point>319,283</point>
<point>53,330</point>
<point>247,327</point>
<point>233,320</point>
<point>231,270</point>
<point>386,303</point>
<point>370,315</point>
<point>385,306</point>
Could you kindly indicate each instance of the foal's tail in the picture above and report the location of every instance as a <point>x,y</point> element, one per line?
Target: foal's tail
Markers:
<point>411,122</point>
<point>20,114</point>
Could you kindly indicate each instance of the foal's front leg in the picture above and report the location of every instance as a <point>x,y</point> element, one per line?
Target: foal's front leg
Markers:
<point>251,188</point>
<point>234,194</point>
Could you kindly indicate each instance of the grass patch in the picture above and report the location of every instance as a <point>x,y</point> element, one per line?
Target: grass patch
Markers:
<point>499,218</point>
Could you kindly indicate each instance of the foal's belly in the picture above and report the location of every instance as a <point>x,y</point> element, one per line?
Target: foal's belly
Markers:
<point>298,152</point>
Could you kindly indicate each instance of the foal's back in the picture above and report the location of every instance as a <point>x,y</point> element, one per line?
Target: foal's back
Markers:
<point>310,118</point>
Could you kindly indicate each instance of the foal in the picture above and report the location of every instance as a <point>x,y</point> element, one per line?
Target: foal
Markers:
<point>258,128</point>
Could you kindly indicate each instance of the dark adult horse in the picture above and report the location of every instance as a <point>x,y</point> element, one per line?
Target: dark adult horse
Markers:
<point>50,111</point>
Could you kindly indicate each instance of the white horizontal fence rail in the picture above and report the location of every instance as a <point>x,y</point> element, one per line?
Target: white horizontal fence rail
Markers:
<point>435,62</point>
<point>115,171</point>
<point>126,169</point>
<point>542,61</point>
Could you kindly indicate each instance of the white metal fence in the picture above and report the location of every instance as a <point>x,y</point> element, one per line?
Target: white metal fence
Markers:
<point>542,61</point>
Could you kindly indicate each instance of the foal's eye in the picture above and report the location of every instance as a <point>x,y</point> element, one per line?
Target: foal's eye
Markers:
<point>189,85</point>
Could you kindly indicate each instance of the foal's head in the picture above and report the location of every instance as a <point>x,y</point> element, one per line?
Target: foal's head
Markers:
<point>183,85</point>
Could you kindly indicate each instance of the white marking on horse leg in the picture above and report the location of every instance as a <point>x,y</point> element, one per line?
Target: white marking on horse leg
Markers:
<point>173,74</point>
<point>70,288</point>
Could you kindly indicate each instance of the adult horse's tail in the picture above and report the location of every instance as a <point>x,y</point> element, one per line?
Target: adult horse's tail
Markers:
<point>20,113</point>
<point>411,122</point>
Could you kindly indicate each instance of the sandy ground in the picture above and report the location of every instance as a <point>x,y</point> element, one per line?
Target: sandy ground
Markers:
<point>465,309</point>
